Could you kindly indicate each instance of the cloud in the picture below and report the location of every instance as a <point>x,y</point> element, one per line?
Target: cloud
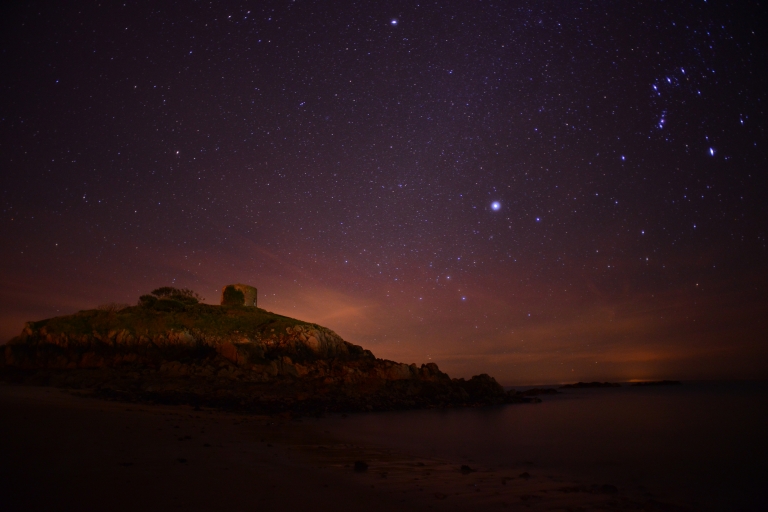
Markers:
<point>507,322</point>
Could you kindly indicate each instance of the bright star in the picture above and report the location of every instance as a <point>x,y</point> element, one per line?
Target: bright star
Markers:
<point>495,206</point>
<point>711,151</point>
<point>393,22</point>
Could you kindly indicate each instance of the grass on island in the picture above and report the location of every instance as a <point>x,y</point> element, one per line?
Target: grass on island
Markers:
<point>173,309</point>
<point>149,321</point>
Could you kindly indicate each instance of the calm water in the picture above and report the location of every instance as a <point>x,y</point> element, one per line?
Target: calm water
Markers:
<point>704,444</point>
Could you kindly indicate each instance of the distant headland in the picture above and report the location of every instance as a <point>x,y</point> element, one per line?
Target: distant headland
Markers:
<point>656,383</point>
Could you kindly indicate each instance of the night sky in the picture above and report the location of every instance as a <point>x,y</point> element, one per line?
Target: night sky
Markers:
<point>544,191</point>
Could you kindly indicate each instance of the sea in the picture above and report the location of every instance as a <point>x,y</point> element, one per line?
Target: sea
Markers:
<point>703,445</point>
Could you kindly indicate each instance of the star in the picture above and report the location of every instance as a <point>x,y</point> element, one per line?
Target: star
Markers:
<point>363,165</point>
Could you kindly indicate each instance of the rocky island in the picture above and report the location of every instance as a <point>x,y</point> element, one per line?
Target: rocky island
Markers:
<point>173,349</point>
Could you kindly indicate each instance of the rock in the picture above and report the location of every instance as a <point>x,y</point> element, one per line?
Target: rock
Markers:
<point>464,469</point>
<point>288,368</point>
<point>361,466</point>
<point>396,371</point>
<point>312,342</point>
<point>482,387</point>
<point>228,351</point>
<point>239,295</point>
<point>241,358</point>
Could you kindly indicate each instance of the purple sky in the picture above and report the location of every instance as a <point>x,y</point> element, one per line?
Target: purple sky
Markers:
<point>541,191</point>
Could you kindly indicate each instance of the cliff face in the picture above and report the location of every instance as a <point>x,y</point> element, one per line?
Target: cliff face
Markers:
<point>220,354</point>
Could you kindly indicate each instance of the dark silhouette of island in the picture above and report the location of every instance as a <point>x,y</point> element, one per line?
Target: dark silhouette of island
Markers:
<point>591,385</point>
<point>657,383</point>
<point>171,348</point>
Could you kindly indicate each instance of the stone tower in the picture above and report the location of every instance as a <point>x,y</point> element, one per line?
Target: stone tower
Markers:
<point>238,295</point>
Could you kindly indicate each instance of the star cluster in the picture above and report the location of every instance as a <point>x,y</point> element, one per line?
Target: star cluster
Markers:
<point>539,190</point>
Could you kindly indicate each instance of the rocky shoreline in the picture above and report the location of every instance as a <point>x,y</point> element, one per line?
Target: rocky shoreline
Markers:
<point>231,357</point>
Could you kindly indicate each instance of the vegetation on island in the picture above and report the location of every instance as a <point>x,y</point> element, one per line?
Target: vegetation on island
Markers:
<point>172,348</point>
<point>168,298</point>
<point>169,309</point>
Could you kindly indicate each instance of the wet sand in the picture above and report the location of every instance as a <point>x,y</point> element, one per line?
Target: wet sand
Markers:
<point>60,451</point>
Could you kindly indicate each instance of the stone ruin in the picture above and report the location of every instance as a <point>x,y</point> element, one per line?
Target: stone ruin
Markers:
<point>238,295</point>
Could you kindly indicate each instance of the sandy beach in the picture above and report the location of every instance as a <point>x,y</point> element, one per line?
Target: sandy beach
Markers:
<point>61,451</point>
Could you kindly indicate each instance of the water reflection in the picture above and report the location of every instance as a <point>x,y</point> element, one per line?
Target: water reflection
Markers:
<point>701,443</point>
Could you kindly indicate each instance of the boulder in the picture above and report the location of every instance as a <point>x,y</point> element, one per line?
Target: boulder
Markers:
<point>481,387</point>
